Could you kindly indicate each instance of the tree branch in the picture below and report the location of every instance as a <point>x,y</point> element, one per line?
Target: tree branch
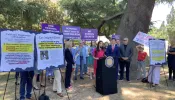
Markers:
<point>116,16</point>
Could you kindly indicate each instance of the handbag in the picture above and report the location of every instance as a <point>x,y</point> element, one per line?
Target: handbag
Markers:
<point>145,80</point>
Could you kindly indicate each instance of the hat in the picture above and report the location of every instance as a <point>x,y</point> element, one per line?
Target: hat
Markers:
<point>141,47</point>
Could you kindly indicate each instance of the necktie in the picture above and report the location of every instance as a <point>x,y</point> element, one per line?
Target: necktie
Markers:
<point>112,48</point>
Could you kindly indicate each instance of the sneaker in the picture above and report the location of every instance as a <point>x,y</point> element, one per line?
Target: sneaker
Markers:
<point>36,87</point>
<point>81,78</point>
<point>69,89</point>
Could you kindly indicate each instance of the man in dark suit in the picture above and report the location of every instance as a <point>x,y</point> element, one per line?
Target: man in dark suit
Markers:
<point>113,50</point>
<point>126,53</point>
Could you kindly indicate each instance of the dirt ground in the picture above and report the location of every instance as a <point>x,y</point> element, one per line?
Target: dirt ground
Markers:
<point>84,90</point>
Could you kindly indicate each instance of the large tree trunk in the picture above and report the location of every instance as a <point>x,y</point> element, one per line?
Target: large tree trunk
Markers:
<point>136,18</point>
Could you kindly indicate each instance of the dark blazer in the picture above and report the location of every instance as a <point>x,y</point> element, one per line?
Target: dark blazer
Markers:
<point>69,57</point>
<point>126,53</point>
<point>114,53</point>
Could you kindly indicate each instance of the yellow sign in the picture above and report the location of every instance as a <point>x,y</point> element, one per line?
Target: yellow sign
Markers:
<point>10,47</point>
<point>49,45</point>
<point>160,58</point>
<point>158,51</point>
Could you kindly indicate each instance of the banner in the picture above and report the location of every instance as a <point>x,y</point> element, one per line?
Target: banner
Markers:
<point>142,38</point>
<point>50,28</point>
<point>49,50</point>
<point>17,50</point>
<point>89,34</point>
<point>157,52</point>
<point>116,36</point>
<point>71,32</point>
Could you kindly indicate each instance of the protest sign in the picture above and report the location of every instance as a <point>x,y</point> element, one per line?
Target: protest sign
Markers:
<point>49,50</point>
<point>50,28</point>
<point>114,36</point>
<point>157,49</point>
<point>17,50</point>
<point>142,38</point>
<point>89,34</point>
<point>71,32</point>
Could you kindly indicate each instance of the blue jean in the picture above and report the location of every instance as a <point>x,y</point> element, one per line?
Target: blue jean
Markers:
<point>141,69</point>
<point>86,66</point>
<point>26,84</point>
<point>81,70</point>
<point>81,66</point>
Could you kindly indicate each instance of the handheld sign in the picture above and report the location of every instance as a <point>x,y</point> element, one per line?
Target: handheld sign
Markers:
<point>71,32</point>
<point>142,38</point>
<point>89,34</point>
<point>50,28</point>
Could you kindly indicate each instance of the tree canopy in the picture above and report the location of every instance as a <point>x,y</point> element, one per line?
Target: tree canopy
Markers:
<point>166,31</point>
<point>104,15</point>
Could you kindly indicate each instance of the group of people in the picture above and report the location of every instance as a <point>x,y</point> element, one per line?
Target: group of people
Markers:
<point>83,59</point>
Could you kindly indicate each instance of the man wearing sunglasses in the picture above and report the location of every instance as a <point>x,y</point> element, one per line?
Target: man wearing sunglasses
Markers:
<point>126,53</point>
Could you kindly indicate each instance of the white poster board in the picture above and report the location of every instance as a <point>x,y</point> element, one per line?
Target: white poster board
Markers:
<point>17,50</point>
<point>142,38</point>
<point>49,50</point>
<point>157,51</point>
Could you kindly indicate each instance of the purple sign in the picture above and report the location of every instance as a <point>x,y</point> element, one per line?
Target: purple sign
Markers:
<point>116,36</point>
<point>50,28</point>
<point>71,32</point>
<point>89,34</point>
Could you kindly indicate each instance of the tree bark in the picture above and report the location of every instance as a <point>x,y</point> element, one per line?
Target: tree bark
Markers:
<point>137,17</point>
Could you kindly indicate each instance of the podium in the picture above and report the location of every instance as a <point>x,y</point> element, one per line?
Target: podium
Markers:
<point>106,82</point>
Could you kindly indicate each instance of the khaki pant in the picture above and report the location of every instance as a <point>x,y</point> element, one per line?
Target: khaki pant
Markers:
<point>57,81</point>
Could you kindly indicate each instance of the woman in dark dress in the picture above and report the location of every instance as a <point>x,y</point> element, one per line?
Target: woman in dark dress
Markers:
<point>171,62</point>
<point>70,62</point>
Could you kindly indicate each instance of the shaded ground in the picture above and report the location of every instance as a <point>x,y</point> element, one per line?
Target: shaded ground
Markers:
<point>84,90</point>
